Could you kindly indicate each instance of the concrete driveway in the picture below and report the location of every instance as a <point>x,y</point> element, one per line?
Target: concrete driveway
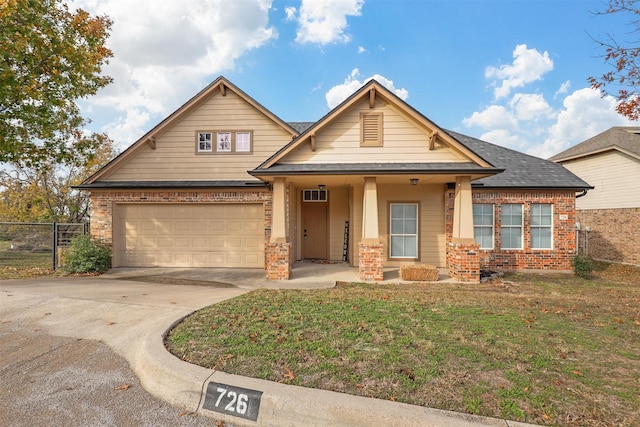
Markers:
<point>69,348</point>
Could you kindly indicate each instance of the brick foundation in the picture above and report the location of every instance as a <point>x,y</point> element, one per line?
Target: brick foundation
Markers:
<point>371,262</point>
<point>463,262</point>
<point>613,234</point>
<point>279,263</point>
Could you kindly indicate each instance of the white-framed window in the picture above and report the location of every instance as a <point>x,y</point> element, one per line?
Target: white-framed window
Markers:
<point>243,142</point>
<point>541,226</point>
<point>223,142</point>
<point>483,225</point>
<point>511,226</point>
<point>205,144</point>
<point>314,195</point>
<point>403,230</point>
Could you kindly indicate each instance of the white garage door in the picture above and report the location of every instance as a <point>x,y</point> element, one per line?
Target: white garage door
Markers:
<point>223,235</point>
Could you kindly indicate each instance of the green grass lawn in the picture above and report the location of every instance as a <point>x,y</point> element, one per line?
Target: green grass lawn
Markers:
<point>552,349</point>
<point>20,264</point>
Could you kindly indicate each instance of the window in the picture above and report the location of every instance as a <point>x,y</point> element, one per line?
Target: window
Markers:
<point>371,129</point>
<point>511,227</point>
<point>243,142</point>
<point>403,230</point>
<point>541,226</point>
<point>223,144</point>
<point>483,225</point>
<point>204,142</point>
<point>314,195</point>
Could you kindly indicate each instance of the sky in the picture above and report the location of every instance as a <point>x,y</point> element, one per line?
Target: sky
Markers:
<point>509,72</point>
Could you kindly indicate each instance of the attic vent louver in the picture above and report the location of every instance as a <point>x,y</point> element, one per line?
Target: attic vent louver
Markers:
<point>371,129</point>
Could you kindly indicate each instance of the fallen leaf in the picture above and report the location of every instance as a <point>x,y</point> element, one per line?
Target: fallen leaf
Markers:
<point>122,387</point>
<point>47,314</point>
<point>393,399</point>
<point>637,322</point>
<point>546,417</point>
<point>578,373</point>
<point>220,423</point>
<point>289,374</point>
<point>111,323</point>
<point>618,320</point>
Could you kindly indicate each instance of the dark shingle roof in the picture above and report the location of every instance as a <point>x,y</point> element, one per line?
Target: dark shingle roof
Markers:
<point>627,138</point>
<point>300,127</point>
<point>521,170</point>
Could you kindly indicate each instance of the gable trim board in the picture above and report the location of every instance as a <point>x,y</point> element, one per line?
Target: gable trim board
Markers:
<point>152,202</point>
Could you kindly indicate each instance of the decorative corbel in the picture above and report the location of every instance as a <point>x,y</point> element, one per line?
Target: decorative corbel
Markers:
<point>372,97</point>
<point>312,139</point>
<point>432,140</point>
<point>223,89</point>
<point>152,142</point>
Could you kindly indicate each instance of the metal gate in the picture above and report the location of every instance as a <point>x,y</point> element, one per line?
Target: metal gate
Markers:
<point>36,244</point>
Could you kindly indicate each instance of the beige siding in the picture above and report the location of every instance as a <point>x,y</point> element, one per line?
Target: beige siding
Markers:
<point>338,214</point>
<point>175,155</point>
<point>430,199</point>
<point>357,195</point>
<point>404,140</point>
<point>613,174</point>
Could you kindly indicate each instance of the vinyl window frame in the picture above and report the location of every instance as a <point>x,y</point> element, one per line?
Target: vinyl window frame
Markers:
<point>540,222</point>
<point>481,225</point>
<point>215,144</point>
<point>507,225</point>
<point>404,234</point>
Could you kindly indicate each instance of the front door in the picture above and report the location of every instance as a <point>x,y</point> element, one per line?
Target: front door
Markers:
<point>314,230</point>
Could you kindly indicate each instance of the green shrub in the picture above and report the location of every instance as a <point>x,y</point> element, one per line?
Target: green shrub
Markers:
<point>87,255</point>
<point>582,266</point>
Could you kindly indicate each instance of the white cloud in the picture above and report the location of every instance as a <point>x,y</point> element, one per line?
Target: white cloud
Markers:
<point>352,83</point>
<point>585,114</point>
<point>325,21</point>
<point>563,89</point>
<point>530,106</point>
<point>494,116</point>
<point>505,138</point>
<point>290,12</point>
<point>164,52</point>
<point>528,66</point>
<point>361,49</point>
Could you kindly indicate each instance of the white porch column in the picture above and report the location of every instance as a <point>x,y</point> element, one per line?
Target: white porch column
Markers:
<point>370,230</point>
<point>279,211</point>
<point>463,211</point>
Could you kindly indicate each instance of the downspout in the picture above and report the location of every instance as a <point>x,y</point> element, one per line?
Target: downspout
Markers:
<point>584,193</point>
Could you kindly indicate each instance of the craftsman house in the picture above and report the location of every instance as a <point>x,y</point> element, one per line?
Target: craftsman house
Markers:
<point>608,217</point>
<point>223,182</point>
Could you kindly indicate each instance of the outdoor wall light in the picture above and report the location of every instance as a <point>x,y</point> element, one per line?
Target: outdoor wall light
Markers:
<point>414,181</point>
<point>322,186</point>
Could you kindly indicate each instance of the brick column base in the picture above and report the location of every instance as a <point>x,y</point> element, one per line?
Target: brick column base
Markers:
<point>278,261</point>
<point>371,262</point>
<point>463,261</point>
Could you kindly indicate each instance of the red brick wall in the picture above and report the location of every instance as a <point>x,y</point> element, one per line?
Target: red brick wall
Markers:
<point>463,262</point>
<point>613,234</point>
<point>371,262</point>
<point>278,263</point>
<point>102,202</point>
<point>564,238</point>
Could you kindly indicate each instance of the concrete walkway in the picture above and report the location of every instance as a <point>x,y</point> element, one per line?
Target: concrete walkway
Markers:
<point>132,318</point>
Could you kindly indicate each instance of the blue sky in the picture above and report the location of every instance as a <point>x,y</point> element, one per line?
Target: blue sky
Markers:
<point>510,72</point>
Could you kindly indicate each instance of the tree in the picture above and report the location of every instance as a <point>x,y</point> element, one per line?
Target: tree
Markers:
<point>50,57</point>
<point>44,193</point>
<point>623,81</point>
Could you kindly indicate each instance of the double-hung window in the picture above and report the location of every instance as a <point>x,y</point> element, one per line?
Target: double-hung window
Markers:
<point>483,225</point>
<point>204,142</point>
<point>403,227</point>
<point>511,226</point>
<point>541,226</point>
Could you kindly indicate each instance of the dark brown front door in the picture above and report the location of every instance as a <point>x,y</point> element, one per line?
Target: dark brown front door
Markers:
<point>314,230</point>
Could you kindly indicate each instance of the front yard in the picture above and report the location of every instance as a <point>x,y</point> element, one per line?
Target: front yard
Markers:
<point>546,349</point>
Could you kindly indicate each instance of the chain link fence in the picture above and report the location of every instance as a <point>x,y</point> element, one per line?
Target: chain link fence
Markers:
<point>36,244</point>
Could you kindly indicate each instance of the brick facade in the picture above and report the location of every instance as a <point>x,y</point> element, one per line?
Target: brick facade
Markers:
<point>371,262</point>
<point>564,237</point>
<point>463,261</point>
<point>278,260</point>
<point>613,234</point>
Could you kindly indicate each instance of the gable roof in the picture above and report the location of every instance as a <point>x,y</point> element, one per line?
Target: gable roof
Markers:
<point>220,84</point>
<point>619,138</point>
<point>371,90</point>
<point>520,170</point>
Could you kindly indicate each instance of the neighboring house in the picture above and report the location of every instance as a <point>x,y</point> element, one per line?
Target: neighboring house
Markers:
<point>223,182</point>
<point>608,215</point>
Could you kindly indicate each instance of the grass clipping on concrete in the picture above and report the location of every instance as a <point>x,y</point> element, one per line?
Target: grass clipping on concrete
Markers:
<point>554,350</point>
